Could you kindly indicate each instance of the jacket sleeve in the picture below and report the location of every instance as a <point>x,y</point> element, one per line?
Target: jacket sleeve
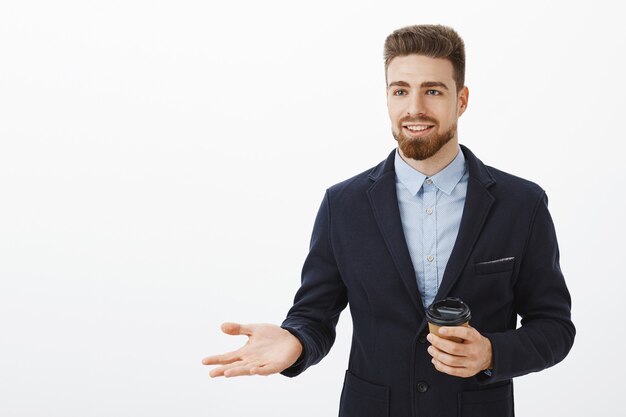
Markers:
<point>319,300</point>
<point>543,302</point>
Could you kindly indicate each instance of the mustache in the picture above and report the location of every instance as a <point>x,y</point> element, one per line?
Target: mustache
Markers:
<point>423,120</point>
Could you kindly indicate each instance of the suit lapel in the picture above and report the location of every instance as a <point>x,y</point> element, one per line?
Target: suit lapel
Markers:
<point>478,202</point>
<point>384,201</point>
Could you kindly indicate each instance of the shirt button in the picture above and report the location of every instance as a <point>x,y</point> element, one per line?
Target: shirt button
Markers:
<point>429,181</point>
<point>430,258</point>
<point>429,210</point>
<point>422,386</point>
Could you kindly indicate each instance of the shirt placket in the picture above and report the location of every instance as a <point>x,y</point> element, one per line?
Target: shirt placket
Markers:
<point>430,241</point>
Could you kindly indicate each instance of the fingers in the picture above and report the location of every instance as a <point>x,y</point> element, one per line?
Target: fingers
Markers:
<point>463,359</point>
<point>232,329</point>
<point>236,329</point>
<point>448,346</point>
<point>268,348</point>
<point>223,370</point>
<point>239,368</point>
<point>221,359</point>
<point>451,370</point>
<point>450,364</point>
<point>447,359</point>
<point>239,371</point>
<point>465,333</point>
<point>217,372</point>
<point>264,370</point>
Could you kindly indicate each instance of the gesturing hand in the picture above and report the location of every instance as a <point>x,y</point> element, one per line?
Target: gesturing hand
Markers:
<point>463,359</point>
<point>270,349</point>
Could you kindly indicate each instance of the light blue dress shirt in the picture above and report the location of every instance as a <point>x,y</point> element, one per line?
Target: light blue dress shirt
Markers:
<point>430,210</point>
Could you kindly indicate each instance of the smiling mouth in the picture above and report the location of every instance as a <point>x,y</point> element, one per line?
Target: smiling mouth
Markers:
<point>417,130</point>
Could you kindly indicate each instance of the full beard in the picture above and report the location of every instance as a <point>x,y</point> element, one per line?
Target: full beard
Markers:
<point>424,147</point>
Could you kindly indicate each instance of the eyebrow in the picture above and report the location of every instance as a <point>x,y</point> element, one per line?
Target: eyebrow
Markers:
<point>425,84</point>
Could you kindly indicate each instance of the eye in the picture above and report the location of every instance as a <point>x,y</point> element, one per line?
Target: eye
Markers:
<point>395,93</point>
<point>434,92</point>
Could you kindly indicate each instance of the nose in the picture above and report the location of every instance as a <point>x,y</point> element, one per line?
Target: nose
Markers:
<point>416,105</point>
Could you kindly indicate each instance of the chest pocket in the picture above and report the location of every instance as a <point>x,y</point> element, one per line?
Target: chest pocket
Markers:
<point>495,266</point>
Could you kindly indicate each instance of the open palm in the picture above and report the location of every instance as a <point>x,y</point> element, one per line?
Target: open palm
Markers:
<point>270,349</point>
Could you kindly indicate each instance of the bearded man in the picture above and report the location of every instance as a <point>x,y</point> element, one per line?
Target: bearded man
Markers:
<point>430,221</point>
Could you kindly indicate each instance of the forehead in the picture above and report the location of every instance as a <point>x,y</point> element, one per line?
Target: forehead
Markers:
<point>418,68</point>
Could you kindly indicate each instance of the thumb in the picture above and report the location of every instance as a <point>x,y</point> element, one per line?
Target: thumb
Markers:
<point>235,329</point>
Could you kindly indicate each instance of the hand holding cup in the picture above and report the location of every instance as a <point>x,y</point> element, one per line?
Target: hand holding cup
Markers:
<point>456,347</point>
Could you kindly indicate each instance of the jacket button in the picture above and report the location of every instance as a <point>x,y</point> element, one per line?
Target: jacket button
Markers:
<point>422,338</point>
<point>422,386</point>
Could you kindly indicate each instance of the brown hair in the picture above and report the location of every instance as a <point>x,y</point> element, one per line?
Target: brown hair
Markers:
<point>435,41</point>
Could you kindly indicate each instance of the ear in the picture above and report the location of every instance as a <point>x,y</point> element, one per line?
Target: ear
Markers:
<point>462,100</point>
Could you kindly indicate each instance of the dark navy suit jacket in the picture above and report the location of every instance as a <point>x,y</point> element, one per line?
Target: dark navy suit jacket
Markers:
<point>505,263</point>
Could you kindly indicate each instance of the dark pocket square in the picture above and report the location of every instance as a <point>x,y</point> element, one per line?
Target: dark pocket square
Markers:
<point>497,265</point>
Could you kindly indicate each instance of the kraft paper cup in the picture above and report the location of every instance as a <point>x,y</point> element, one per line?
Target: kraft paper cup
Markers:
<point>448,312</point>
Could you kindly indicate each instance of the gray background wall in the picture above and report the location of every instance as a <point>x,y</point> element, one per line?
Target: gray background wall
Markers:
<point>145,150</point>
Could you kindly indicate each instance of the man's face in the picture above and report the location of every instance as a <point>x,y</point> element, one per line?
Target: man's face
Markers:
<point>423,104</point>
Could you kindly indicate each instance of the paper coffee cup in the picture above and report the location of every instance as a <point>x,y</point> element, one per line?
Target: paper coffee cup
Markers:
<point>448,312</point>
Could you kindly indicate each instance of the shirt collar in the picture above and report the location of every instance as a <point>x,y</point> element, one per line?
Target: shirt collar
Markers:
<point>445,180</point>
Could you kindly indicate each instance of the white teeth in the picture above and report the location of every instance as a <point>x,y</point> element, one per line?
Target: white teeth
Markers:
<point>417,128</point>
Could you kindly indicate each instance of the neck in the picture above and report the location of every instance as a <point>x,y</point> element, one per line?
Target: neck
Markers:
<point>437,162</point>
